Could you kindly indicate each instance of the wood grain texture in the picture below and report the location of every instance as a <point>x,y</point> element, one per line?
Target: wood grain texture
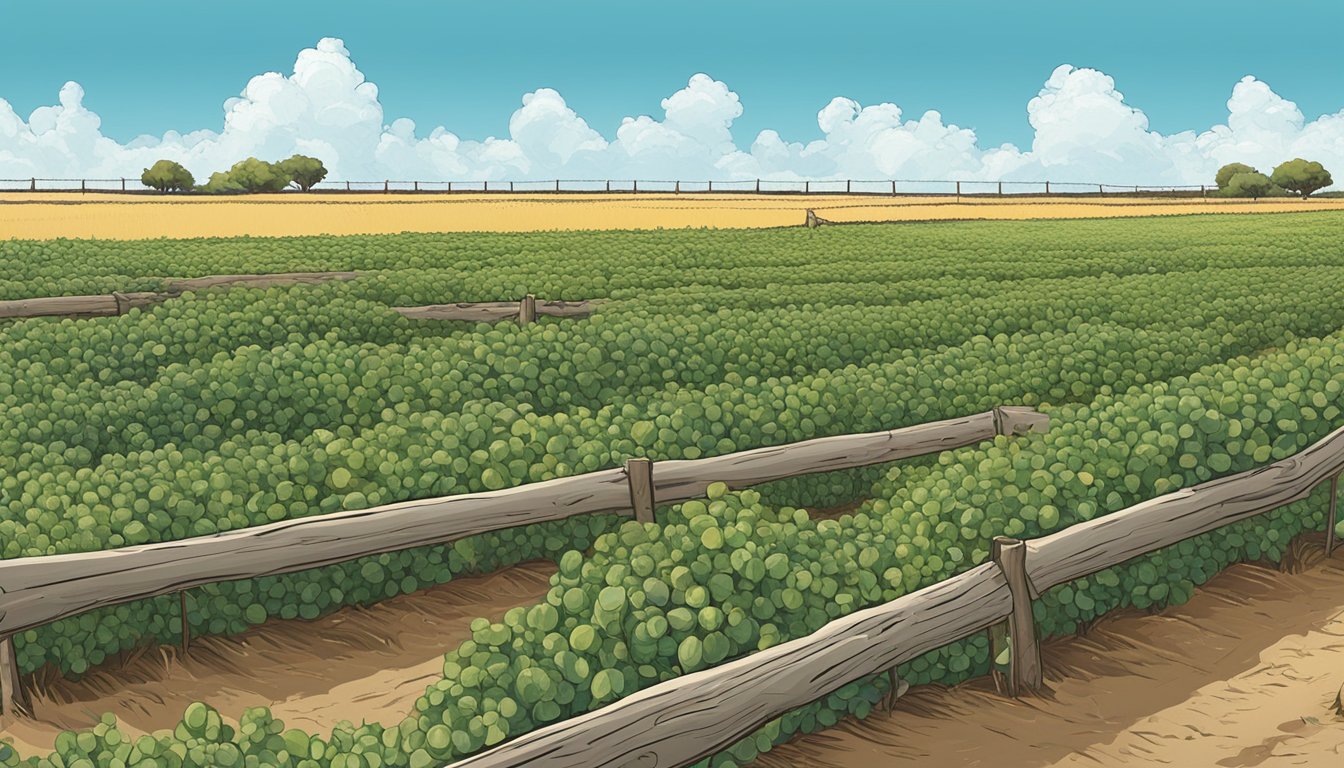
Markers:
<point>681,721</point>
<point>38,590</point>
<point>639,472</point>
<point>1025,658</point>
<point>1107,541</point>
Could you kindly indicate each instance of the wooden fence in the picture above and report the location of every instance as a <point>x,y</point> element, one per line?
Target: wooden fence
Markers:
<point>682,721</point>
<point>39,590</point>
<point>525,311</point>
<point>119,303</point>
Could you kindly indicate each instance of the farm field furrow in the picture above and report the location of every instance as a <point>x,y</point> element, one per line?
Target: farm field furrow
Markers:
<point>232,408</point>
<point>123,217</point>
<point>357,664</point>
<point>1242,675</point>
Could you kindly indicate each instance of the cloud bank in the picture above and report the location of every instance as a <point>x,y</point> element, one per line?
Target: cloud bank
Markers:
<point>1084,131</point>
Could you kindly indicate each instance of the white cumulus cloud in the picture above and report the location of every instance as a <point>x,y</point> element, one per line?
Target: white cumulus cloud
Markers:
<point>1084,131</point>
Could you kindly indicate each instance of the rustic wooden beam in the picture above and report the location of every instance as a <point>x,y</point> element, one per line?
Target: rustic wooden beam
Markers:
<point>38,590</point>
<point>682,721</point>
<point>527,310</point>
<point>13,699</point>
<point>639,473</point>
<point>494,311</point>
<point>1106,541</point>
<point>1024,672</point>
<point>117,303</point>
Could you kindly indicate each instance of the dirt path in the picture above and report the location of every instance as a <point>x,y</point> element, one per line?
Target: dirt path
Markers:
<point>1243,675</point>
<point>356,664</point>
<point>132,217</point>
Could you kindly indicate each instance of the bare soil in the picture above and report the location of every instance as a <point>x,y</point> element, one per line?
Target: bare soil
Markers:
<point>1243,675</point>
<point>359,664</point>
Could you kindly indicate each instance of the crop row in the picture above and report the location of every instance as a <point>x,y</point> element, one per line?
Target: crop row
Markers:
<point>725,577</point>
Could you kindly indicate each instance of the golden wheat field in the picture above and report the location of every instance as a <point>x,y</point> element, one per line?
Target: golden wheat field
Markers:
<point>121,217</point>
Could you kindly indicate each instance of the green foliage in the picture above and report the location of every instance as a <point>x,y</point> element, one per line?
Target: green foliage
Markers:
<point>1301,177</point>
<point>1254,185</point>
<point>232,408</point>
<point>168,176</point>
<point>303,171</point>
<point>1225,174</point>
<point>249,176</point>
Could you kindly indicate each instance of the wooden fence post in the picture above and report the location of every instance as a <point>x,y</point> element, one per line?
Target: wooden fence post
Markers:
<point>847,187</point>
<point>386,185</point>
<point>676,188</point>
<point>635,187</point>
<point>527,310</point>
<point>958,190</point>
<point>1047,187</point>
<point>807,187</point>
<point>510,186</point>
<point>557,185</point>
<point>123,185</point>
<point>417,186</point>
<point>1025,671</point>
<point>347,186</point>
<point>639,473</point>
<point>13,701</point>
<point>186,621</point>
<point>893,187</point>
<point>33,186</point>
<point>1000,189</point>
<point>758,186</point>
<point>1332,518</point>
<point>1101,190</point>
<point>608,185</point>
<point>711,185</point>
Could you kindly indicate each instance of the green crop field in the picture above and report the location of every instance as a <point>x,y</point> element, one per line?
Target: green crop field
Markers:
<point>1167,351</point>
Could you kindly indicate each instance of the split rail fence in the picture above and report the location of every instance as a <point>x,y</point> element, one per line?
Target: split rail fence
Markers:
<point>39,590</point>
<point>682,721</point>
<point>526,310</point>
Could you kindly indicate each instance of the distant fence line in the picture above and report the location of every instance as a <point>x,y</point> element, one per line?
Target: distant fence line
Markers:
<point>885,187</point>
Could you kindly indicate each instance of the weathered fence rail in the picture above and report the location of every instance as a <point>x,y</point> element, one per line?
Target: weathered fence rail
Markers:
<point>682,721</point>
<point>39,590</point>
<point>493,311</point>
<point>117,303</point>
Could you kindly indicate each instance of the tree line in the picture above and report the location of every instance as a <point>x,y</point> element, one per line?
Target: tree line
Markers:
<point>246,176</point>
<point>1295,177</point>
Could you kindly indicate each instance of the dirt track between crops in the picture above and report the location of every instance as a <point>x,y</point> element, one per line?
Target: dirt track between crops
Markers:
<point>1243,675</point>
<point>43,215</point>
<point>357,664</point>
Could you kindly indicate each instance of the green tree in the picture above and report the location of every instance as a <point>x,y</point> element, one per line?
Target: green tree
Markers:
<point>303,170</point>
<point>255,175</point>
<point>222,183</point>
<point>1301,177</point>
<point>1253,185</point>
<point>1225,174</point>
<point>167,176</point>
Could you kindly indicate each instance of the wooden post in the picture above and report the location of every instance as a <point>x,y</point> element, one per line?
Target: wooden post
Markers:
<point>847,183</point>
<point>958,191</point>
<point>758,186</point>
<point>807,187</point>
<point>1025,673</point>
<point>893,187</point>
<point>123,185</point>
<point>33,186</point>
<point>386,184</point>
<point>1332,518</point>
<point>557,185</point>
<point>510,186</point>
<point>676,187</point>
<point>347,186</point>
<point>897,689</point>
<point>1203,191</point>
<point>82,186</point>
<point>639,474</point>
<point>527,310</point>
<point>13,701</point>
<point>608,185</point>
<point>711,185</point>
<point>1047,187</point>
<point>1000,189</point>
<point>635,185</point>
<point>1100,190</point>
<point>186,620</point>
<point>417,186</point>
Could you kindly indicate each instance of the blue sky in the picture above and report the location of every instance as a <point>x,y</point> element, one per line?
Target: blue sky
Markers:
<point>148,66</point>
